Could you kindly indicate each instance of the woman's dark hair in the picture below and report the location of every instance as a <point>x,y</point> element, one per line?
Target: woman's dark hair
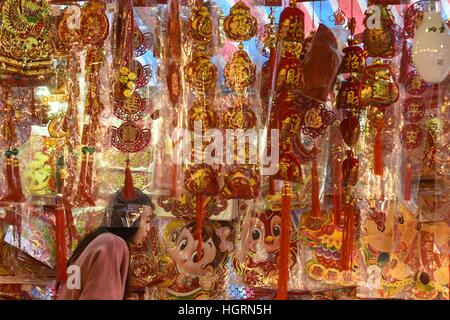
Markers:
<point>116,227</point>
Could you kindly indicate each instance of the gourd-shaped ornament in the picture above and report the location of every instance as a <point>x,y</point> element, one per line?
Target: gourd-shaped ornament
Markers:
<point>431,46</point>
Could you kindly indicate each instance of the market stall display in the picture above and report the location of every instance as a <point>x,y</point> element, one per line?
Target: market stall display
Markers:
<point>292,149</point>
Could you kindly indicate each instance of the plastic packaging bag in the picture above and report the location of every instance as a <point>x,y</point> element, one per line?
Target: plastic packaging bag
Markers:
<point>321,65</point>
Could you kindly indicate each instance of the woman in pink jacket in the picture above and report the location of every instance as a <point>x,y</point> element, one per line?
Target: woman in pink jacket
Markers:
<point>100,263</point>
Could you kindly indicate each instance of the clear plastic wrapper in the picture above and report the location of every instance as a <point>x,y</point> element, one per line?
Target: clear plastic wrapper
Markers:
<point>321,65</point>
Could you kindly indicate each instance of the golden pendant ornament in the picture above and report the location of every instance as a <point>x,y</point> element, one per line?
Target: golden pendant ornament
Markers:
<point>240,116</point>
<point>93,29</point>
<point>95,24</point>
<point>200,24</point>
<point>240,25</point>
<point>25,46</point>
<point>203,112</point>
<point>240,71</point>
<point>201,74</point>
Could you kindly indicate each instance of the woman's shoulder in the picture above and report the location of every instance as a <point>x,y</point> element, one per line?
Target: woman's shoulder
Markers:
<point>109,242</point>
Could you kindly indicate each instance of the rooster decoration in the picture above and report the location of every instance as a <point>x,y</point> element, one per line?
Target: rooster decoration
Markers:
<point>260,240</point>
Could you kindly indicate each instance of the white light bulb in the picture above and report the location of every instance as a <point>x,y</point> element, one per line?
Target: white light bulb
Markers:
<point>431,46</point>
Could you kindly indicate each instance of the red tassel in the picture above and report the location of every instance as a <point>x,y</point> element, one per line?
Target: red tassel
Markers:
<point>378,166</point>
<point>407,195</point>
<point>283,273</point>
<point>89,175</point>
<point>73,234</point>
<point>337,197</point>
<point>80,197</point>
<point>128,188</point>
<point>9,179</point>
<point>348,235</point>
<point>174,179</point>
<point>199,224</point>
<point>404,63</point>
<point>315,205</point>
<point>272,188</point>
<point>18,193</point>
<point>61,256</point>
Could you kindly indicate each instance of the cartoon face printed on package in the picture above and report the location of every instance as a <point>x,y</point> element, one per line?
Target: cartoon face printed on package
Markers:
<point>257,260</point>
<point>194,276</point>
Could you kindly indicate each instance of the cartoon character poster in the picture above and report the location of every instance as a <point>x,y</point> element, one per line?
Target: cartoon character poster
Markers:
<point>257,259</point>
<point>407,260</point>
<point>188,275</point>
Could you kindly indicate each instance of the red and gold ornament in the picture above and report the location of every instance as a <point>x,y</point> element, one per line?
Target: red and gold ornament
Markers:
<point>290,73</point>
<point>240,71</point>
<point>415,85</point>
<point>141,42</point>
<point>290,168</point>
<point>292,24</point>
<point>413,109</point>
<point>201,74</point>
<point>239,116</point>
<point>350,129</point>
<point>378,86</point>
<point>200,23</point>
<point>241,182</point>
<point>379,41</point>
<point>240,25</point>
<point>350,173</point>
<point>132,109</point>
<point>202,111</point>
<point>201,179</point>
<point>354,60</point>
<point>378,123</point>
<point>129,137</point>
<point>316,119</point>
